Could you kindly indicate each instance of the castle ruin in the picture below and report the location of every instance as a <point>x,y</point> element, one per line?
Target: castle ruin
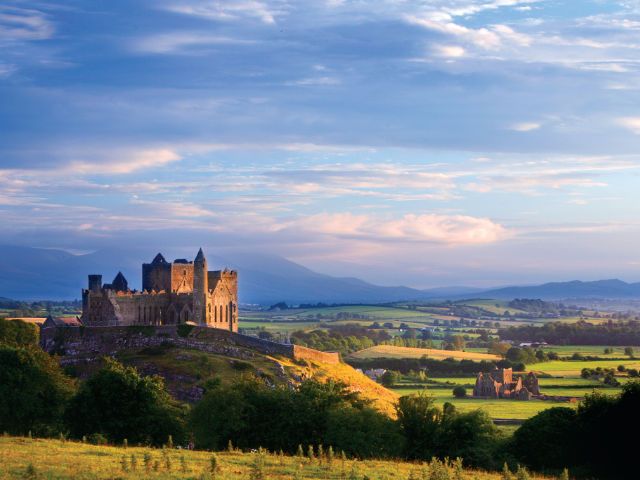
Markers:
<point>500,384</point>
<point>172,293</point>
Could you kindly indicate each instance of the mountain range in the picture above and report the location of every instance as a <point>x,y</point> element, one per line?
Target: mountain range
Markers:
<point>33,274</point>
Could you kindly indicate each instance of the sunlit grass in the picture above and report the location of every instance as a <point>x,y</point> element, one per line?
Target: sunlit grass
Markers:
<point>62,460</point>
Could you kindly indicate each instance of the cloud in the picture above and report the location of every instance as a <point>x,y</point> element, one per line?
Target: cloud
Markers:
<point>630,123</point>
<point>525,126</point>
<point>21,24</point>
<point>429,228</point>
<point>449,51</point>
<point>122,162</point>
<point>480,37</point>
<point>227,10</point>
<point>182,41</point>
<point>315,81</point>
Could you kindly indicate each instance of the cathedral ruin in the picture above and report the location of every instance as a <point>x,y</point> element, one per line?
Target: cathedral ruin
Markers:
<point>501,384</point>
<point>172,293</point>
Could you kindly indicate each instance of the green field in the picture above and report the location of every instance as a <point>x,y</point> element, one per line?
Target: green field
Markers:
<point>587,350</point>
<point>568,368</point>
<point>498,408</point>
<point>22,458</point>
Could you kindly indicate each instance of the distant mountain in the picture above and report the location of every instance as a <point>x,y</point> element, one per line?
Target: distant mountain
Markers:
<point>42,274</point>
<point>33,273</point>
<point>613,289</point>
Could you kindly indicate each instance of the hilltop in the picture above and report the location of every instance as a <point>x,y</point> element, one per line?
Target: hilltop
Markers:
<point>189,358</point>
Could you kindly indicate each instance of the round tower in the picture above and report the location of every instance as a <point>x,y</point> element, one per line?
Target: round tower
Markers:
<point>200,288</point>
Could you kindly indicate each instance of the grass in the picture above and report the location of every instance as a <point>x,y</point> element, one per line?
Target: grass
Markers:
<point>568,368</point>
<point>496,408</point>
<point>390,351</point>
<point>54,459</point>
<point>587,350</point>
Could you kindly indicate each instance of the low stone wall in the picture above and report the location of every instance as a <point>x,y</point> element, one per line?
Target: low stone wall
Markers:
<point>81,343</point>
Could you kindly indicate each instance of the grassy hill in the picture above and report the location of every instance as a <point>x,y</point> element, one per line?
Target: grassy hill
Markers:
<point>62,460</point>
<point>186,372</point>
<point>390,351</point>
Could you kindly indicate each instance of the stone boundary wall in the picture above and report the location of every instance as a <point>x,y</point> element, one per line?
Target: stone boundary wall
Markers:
<point>76,343</point>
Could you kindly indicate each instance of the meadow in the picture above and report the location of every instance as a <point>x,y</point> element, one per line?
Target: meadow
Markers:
<point>61,460</point>
<point>390,351</point>
<point>496,408</point>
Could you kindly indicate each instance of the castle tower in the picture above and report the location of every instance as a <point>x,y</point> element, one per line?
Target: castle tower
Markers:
<point>95,283</point>
<point>200,289</point>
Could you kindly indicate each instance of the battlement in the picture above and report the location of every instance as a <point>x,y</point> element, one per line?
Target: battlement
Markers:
<point>223,274</point>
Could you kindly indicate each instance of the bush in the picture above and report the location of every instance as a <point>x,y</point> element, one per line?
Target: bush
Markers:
<point>544,440</point>
<point>390,378</point>
<point>119,403</point>
<point>18,333</point>
<point>184,329</point>
<point>252,414</point>
<point>33,391</point>
<point>459,392</point>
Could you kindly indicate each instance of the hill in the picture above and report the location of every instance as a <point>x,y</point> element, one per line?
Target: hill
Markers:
<point>390,351</point>
<point>188,371</point>
<point>613,289</point>
<point>63,460</point>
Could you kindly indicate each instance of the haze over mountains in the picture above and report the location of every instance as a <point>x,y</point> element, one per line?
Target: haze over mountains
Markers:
<point>32,273</point>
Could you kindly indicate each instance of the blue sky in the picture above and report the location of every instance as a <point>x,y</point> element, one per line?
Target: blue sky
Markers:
<point>476,142</point>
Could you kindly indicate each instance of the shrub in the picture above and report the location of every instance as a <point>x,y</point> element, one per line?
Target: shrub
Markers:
<point>459,392</point>
<point>544,440</point>
<point>119,403</point>
<point>184,329</point>
<point>33,391</point>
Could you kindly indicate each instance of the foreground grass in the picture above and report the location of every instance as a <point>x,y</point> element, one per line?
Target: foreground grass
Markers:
<point>55,459</point>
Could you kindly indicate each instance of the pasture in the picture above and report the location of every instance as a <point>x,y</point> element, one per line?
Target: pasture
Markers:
<point>390,351</point>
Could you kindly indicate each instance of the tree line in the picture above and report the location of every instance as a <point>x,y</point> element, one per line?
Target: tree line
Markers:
<point>579,333</point>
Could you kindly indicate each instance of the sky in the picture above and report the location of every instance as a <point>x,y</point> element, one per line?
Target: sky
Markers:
<point>424,143</point>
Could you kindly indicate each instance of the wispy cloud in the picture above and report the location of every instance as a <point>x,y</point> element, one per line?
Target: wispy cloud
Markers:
<point>525,126</point>
<point>228,10</point>
<point>631,123</point>
<point>24,24</point>
<point>183,42</point>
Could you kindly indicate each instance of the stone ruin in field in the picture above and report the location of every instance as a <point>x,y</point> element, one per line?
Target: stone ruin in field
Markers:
<point>500,384</point>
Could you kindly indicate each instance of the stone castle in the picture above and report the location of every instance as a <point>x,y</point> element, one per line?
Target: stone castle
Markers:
<point>500,384</point>
<point>172,293</point>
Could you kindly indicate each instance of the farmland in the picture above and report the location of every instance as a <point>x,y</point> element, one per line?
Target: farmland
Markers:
<point>390,351</point>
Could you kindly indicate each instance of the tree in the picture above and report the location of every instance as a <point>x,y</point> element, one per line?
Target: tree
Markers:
<point>458,342</point>
<point>419,420</point>
<point>628,351</point>
<point>18,333</point>
<point>459,391</point>
<point>119,403</point>
<point>471,436</point>
<point>390,378</point>
<point>545,440</point>
<point>33,391</point>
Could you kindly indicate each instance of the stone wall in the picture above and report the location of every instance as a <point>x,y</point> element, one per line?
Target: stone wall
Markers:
<point>77,344</point>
